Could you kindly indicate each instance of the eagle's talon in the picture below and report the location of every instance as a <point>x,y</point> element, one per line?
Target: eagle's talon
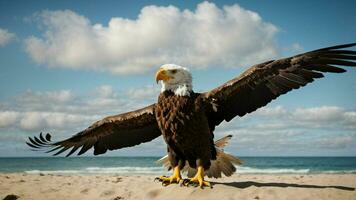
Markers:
<point>186,182</point>
<point>168,180</point>
<point>197,180</point>
<point>175,178</point>
<point>165,183</point>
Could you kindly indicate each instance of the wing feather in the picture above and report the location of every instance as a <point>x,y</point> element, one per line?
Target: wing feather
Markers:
<point>262,83</point>
<point>114,132</point>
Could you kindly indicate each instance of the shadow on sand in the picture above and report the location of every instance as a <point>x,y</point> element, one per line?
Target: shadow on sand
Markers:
<point>247,184</point>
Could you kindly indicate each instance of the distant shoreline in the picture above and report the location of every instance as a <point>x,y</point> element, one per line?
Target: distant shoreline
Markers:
<point>103,156</point>
<point>148,165</point>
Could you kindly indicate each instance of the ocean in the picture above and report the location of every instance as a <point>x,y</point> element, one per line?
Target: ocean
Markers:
<point>147,165</point>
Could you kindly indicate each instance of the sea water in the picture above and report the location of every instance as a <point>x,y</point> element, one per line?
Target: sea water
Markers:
<point>148,165</point>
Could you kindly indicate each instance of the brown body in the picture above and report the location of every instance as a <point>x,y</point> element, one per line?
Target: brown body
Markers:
<point>185,128</point>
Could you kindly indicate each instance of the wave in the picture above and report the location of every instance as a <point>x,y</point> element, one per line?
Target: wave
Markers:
<point>128,170</point>
<point>338,172</point>
<point>104,170</point>
<point>250,170</point>
<point>53,172</point>
<point>161,170</point>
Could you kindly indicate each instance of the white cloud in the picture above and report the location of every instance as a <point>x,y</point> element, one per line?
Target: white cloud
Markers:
<point>32,121</point>
<point>325,116</point>
<point>38,121</point>
<point>43,100</point>
<point>206,37</point>
<point>64,112</point>
<point>282,130</point>
<point>8,118</point>
<point>62,96</point>
<point>336,142</point>
<point>6,37</point>
<point>314,117</point>
<point>278,111</point>
<point>324,113</point>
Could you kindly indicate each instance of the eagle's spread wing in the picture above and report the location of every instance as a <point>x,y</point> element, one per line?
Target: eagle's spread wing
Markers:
<point>264,82</point>
<point>114,132</point>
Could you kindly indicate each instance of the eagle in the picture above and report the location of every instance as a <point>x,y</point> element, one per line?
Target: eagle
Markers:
<point>187,119</point>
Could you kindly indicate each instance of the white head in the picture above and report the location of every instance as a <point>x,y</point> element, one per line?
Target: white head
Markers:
<point>175,78</point>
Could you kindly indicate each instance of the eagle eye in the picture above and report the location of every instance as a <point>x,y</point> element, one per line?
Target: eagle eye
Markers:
<point>173,71</point>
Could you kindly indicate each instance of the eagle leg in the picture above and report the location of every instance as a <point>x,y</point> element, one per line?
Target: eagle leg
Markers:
<point>198,179</point>
<point>175,178</point>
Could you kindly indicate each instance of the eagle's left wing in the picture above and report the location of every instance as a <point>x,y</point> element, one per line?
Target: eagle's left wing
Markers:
<point>264,82</point>
<point>113,132</point>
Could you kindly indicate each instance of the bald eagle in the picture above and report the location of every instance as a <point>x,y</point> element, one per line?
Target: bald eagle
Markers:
<point>187,119</point>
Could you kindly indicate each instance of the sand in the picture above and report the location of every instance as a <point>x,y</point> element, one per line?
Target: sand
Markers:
<point>247,186</point>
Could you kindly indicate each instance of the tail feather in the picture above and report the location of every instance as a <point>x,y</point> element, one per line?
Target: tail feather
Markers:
<point>165,162</point>
<point>233,159</point>
<point>226,166</point>
<point>224,163</point>
<point>222,142</point>
<point>214,170</point>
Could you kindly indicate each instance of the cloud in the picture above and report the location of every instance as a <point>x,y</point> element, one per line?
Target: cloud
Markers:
<point>319,114</point>
<point>300,131</point>
<point>337,142</point>
<point>209,36</point>
<point>6,37</point>
<point>37,121</point>
<point>8,118</point>
<point>62,96</point>
<point>327,117</point>
<point>65,112</point>
<point>43,101</point>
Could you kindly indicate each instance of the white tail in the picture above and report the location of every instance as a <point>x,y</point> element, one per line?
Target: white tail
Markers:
<point>224,163</point>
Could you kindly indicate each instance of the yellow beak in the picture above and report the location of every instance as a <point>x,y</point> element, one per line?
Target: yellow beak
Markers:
<point>161,75</point>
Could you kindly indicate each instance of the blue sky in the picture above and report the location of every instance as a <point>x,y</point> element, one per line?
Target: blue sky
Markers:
<point>65,64</point>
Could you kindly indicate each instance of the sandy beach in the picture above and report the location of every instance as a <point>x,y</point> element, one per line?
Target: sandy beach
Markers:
<point>110,187</point>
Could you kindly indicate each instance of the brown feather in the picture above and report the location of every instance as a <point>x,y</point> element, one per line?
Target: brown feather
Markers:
<point>110,133</point>
<point>185,128</point>
<point>264,82</point>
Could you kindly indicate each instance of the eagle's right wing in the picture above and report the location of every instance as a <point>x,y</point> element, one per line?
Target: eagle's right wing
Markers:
<point>114,132</point>
<point>262,83</point>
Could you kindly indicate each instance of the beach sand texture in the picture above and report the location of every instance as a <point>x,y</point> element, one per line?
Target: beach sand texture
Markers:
<point>110,187</point>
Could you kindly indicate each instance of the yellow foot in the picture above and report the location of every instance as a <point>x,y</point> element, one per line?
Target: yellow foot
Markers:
<point>168,180</point>
<point>175,178</point>
<point>197,180</point>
